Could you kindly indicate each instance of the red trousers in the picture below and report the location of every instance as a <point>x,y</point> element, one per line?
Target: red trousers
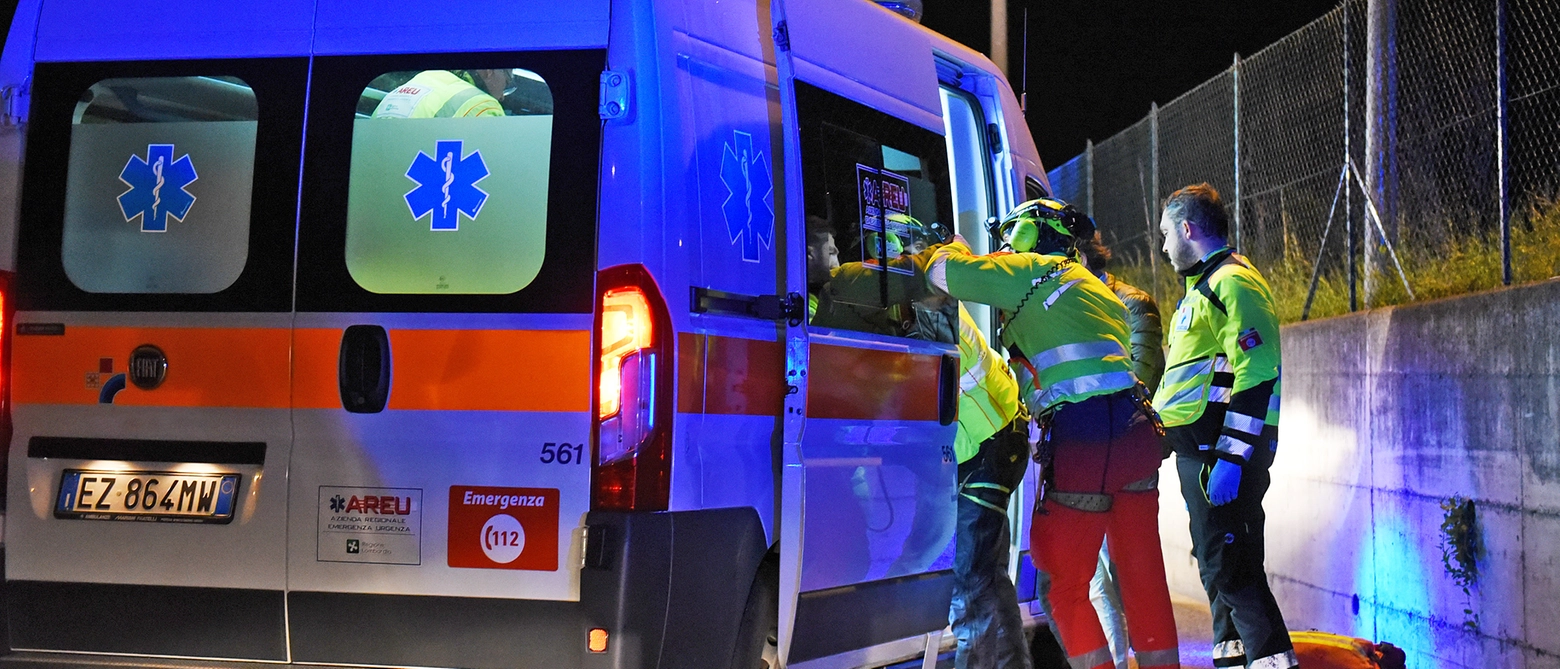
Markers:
<point>1065,543</point>
<point>1103,444</point>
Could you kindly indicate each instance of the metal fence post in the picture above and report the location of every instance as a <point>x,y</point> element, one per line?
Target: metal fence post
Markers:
<point>1381,155</point>
<point>1088,188</point>
<point>1235,82</point>
<point>1503,138</point>
<point>1348,199</point>
<point>1153,192</point>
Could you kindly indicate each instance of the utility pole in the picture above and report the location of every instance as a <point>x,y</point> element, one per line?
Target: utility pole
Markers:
<point>999,34</point>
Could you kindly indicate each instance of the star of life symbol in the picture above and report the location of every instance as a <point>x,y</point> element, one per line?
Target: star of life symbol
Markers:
<point>446,185</point>
<point>157,188</point>
<point>749,208</point>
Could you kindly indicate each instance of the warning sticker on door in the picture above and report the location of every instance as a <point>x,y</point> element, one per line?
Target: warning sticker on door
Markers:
<point>375,525</point>
<point>503,528</point>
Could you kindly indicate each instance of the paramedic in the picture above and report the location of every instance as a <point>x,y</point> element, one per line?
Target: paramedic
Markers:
<point>1219,401</point>
<point>1148,364</point>
<point>446,94</point>
<point>823,257</point>
<point>1098,447</point>
<point>991,446</point>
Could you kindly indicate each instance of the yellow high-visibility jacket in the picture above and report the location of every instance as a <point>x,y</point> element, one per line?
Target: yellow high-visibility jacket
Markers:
<point>1065,322</point>
<point>437,94</point>
<point>1223,368</point>
<point>988,393</point>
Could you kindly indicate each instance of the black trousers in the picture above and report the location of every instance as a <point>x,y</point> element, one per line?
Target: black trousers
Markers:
<point>984,613</point>
<point>1228,542</point>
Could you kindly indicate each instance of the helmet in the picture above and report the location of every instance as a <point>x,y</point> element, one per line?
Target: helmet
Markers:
<point>891,241</point>
<point>1020,229</point>
<point>930,233</point>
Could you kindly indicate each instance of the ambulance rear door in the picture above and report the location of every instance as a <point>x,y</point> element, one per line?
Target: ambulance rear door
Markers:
<point>148,470</point>
<point>442,393</point>
<point>870,481</point>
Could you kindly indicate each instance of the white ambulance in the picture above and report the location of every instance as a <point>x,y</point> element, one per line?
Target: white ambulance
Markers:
<point>481,333</point>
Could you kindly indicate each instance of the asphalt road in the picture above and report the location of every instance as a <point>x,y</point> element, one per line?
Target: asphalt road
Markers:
<point>1193,625</point>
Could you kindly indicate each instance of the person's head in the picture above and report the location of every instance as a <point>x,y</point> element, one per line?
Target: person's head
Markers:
<point>1044,225</point>
<point>1093,253</point>
<point>1194,224</point>
<point>822,255</point>
<point>921,235</point>
<point>494,82</point>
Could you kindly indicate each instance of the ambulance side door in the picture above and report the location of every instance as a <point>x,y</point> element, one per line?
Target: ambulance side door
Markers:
<point>868,511</point>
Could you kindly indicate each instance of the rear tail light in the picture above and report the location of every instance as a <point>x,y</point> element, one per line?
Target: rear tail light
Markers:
<point>632,470</point>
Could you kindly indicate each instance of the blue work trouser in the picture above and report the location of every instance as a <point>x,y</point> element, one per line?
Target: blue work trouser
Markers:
<point>984,613</point>
<point>1248,628</point>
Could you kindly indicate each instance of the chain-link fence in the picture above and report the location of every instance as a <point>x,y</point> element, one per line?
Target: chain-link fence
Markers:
<point>1391,150</point>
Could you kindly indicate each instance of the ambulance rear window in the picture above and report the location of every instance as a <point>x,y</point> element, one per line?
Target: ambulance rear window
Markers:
<point>448,190</point>
<point>159,184</point>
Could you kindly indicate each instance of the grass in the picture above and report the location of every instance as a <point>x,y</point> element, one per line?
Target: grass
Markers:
<point>1465,262</point>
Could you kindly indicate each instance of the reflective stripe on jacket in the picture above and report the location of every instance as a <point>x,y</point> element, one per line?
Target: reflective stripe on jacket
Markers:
<point>437,94</point>
<point>1072,329</point>
<point>1224,357</point>
<point>988,393</point>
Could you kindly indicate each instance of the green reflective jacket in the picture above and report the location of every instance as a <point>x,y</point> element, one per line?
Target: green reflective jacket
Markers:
<point>988,393</point>
<point>1065,322</point>
<point>1224,359</point>
<point>1148,335</point>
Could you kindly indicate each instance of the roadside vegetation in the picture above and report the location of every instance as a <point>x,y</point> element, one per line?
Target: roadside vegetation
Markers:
<point>1464,263</point>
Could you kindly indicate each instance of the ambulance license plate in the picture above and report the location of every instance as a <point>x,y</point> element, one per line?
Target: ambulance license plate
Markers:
<point>178,497</point>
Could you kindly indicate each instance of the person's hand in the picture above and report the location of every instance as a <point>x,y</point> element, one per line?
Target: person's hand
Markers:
<point>1223,483</point>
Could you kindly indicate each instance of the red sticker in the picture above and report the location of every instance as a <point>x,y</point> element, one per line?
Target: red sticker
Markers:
<point>1249,339</point>
<point>503,528</point>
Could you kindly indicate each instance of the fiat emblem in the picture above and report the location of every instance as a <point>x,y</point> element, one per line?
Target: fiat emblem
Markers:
<point>148,367</point>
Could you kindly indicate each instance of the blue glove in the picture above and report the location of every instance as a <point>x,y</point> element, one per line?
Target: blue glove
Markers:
<point>1223,483</point>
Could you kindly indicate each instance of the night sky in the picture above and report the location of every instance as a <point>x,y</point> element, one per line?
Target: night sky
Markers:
<point>1096,65</point>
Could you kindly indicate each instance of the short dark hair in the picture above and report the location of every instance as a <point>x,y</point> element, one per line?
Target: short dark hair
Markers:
<point>818,230</point>
<point>1095,252</point>
<point>1200,205</point>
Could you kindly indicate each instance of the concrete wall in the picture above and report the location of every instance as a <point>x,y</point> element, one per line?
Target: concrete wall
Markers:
<point>1385,414</point>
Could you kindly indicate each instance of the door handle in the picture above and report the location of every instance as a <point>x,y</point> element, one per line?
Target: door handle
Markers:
<point>948,389</point>
<point>364,369</point>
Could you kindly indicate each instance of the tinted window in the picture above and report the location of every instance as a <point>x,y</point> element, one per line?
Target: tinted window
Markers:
<point>1033,190</point>
<point>448,189</point>
<point>511,139</point>
<point>159,184</point>
<point>877,198</point>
